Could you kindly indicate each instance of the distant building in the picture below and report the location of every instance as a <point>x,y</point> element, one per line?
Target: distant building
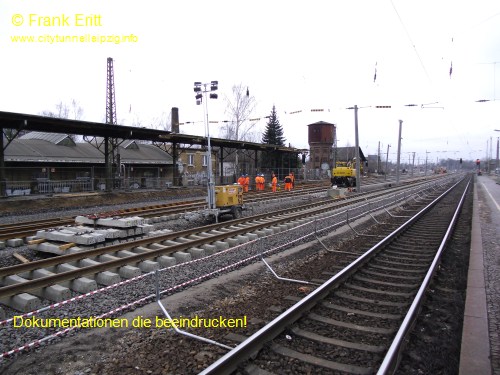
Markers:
<point>192,164</point>
<point>374,164</point>
<point>47,162</point>
<point>323,153</point>
<point>346,154</point>
<point>321,136</point>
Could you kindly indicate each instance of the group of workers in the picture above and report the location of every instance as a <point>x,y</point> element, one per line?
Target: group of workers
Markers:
<point>260,182</point>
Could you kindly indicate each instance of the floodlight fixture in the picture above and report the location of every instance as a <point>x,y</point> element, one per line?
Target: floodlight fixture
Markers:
<point>202,89</point>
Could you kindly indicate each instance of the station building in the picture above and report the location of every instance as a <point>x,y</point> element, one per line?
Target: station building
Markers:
<point>39,162</point>
<point>50,155</point>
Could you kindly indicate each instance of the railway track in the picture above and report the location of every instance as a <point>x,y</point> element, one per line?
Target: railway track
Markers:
<point>29,228</point>
<point>151,253</point>
<point>123,295</point>
<point>356,321</point>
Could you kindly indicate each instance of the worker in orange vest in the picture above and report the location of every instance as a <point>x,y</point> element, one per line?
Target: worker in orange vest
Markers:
<point>241,181</point>
<point>246,183</point>
<point>258,182</point>
<point>293,179</point>
<point>262,182</point>
<point>288,183</point>
<point>274,182</point>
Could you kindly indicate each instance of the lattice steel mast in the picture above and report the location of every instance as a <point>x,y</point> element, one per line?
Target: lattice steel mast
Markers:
<point>111,144</point>
<point>110,94</point>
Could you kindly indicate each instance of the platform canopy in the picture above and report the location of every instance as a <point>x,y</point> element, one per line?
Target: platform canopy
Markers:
<point>26,122</point>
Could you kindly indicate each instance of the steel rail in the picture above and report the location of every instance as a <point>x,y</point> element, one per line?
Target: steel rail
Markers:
<point>286,215</point>
<point>391,360</point>
<point>28,228</point>
<point>231,360</point>
<point>26,267</point>
<point>9,290</point>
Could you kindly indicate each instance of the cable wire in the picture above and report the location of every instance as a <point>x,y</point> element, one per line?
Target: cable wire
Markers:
<point>411,41</point>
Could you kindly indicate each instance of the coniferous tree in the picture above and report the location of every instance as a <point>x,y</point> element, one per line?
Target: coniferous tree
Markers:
<point>273,135</point>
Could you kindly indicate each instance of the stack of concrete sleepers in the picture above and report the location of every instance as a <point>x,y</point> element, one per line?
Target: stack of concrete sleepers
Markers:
<point>89,233</point>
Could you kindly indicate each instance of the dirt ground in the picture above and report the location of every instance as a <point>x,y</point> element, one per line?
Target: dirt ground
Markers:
<point>23,204</point>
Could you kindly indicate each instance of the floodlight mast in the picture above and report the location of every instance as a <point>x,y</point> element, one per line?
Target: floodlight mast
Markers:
<point>200,92</point>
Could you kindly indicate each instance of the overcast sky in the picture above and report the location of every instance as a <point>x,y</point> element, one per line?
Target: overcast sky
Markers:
<point>296,55</point>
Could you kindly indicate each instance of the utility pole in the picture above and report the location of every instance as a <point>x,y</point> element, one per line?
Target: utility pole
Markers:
<point>498,149</point>
<point>174,120</point>
<point>486,156</point>
<point>386,160</point>
<point>399,151</point>
<point>358,161</point>
<point>426,152</point>
<point>491,154</point>
<point>498,144</point>
<point>413,164</point>
<point>378,158</point>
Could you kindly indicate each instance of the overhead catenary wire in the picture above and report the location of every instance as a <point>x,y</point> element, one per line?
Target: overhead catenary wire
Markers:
<point>412,43</point>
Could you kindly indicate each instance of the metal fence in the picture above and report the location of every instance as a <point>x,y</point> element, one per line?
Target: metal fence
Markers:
<point>90,184</point>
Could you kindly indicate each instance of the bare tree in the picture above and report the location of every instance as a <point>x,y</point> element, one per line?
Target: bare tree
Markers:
<point>76,110</point>
<point>63,110</point>
<point>162,122</point>
<point>239,107</point>
<point>72,111</point>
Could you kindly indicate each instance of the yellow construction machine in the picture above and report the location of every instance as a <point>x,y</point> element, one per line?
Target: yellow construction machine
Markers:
<point>344,174</point>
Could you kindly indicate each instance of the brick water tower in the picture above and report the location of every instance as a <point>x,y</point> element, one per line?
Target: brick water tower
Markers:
<point>321,137</point>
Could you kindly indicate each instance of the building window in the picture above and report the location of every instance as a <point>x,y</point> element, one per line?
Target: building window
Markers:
<point>190,159</point>
<point>205,160</point>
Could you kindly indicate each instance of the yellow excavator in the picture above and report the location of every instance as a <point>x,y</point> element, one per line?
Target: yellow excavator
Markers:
<point>344,174</point>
